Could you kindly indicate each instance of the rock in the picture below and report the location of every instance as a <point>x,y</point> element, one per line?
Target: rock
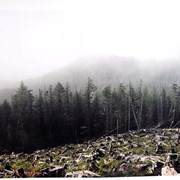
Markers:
<point>167,171</point>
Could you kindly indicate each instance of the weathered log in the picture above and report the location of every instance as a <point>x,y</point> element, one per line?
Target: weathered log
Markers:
<point>81,174</point>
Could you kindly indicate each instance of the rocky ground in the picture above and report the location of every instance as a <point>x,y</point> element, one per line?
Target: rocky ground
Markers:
<point>151,152</point>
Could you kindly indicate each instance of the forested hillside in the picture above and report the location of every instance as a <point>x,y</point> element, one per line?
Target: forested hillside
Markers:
<point>60,115</point>
<point>112,70</point>
<point>107,70</point>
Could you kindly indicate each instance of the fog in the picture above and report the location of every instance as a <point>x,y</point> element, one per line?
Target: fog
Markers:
<point>38,37</point>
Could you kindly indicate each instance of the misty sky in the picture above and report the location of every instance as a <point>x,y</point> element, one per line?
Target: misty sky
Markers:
<point>39,36</point>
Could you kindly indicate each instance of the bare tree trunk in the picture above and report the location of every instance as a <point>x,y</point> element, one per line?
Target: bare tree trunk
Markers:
<point>117,124</point>
<point>134,114</point>
<point>129,109</point>
<point>140,112</point>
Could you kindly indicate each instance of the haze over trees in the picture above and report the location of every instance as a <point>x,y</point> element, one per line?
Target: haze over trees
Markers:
<point>104,70</point>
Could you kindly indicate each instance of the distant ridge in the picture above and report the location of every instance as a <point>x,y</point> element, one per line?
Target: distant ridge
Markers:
<point>106,70</point>
<point>103,70</point>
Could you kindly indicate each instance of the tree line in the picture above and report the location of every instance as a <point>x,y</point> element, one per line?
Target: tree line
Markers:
<point>59,116</point>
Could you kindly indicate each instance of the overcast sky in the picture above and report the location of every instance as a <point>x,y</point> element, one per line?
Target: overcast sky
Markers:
<point>39,36</point>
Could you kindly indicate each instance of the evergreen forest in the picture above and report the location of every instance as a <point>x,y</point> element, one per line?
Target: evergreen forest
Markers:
<point>57,115</point>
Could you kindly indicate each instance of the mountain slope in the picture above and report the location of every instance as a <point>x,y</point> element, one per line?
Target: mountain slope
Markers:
<point>106,70</point>
<point>112,70</point>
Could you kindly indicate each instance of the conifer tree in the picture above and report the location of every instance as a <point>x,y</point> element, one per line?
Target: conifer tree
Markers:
<point>89,95</point>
